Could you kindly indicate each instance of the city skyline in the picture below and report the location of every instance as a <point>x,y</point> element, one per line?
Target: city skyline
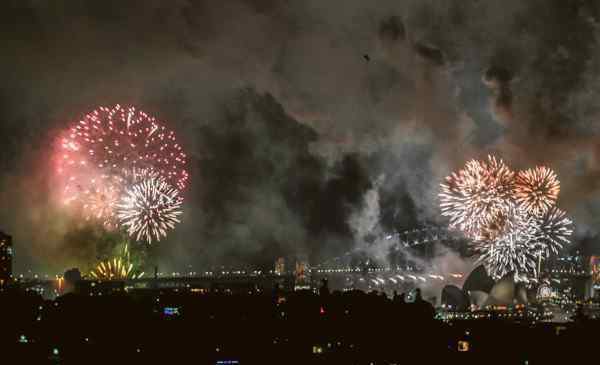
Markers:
<point>313,182</point>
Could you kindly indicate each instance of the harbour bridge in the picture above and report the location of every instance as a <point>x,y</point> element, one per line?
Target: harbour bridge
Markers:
<point>392,245</point>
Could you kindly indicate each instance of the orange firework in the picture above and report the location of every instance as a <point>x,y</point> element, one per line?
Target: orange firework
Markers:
<point>536,190</point>
<point>474,197</point>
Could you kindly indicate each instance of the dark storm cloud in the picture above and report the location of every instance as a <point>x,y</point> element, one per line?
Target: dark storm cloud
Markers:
<point>286,124</point>
<point>261,188</point>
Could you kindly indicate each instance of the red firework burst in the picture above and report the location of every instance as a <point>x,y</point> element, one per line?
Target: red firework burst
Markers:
<point>100,152</point>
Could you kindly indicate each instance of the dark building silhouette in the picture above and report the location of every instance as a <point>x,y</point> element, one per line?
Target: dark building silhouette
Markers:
<point>98,287</point>
<point>72,277</point>
<point>324,288</point>
<point>6,254</point>
<point>455,298</point>
<point>478,280</point>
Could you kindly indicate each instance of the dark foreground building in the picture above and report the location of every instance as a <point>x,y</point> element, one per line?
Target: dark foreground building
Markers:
<point>6,253</point>
<point>279,327</point>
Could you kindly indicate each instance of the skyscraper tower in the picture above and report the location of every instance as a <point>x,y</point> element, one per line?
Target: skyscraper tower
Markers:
<point>6,254</point>
<point>280,266</point>
<point>302,273</point>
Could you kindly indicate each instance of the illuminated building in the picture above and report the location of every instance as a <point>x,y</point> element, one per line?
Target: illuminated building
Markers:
<point>6,254</point>
<point>573,264</point>
<point>595,272</point>
<point>280,266</point>
<point>544,292</point>
<point>517,312</point>
<point>568,276</point>
<point>99,287</point>
<point>302,274</point>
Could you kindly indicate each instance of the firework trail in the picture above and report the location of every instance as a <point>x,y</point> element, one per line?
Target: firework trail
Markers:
<point>536,190</point>
<point>117,268</point>
<point>98,153</point>
<point>149,209</point>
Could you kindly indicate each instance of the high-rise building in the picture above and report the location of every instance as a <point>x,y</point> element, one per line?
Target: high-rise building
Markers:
<point>6,253</point>
<point>280,266</point>
<point>594,270</point>
<point>302,274</point>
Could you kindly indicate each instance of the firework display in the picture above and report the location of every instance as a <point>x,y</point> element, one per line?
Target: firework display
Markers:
<point>117,268</point>
<point>506,246</point>
<point>508,253</point>
<point>105,160</point>
<point>99,202</point>
<point>511,218</point>
<point>114,141</point>
<point>149,209</point>
<point>536,190</point>
<point>474,197</point>
<point>554,230</point>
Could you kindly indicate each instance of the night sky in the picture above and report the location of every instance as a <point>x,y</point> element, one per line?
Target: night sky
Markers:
<point>306,122</point>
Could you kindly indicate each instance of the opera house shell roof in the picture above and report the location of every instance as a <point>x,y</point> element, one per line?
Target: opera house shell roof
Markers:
<point>480,290</point>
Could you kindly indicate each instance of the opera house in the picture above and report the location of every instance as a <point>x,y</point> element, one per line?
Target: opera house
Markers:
<point>481,291</point>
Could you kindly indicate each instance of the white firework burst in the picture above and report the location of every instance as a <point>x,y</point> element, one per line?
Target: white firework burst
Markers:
<point>511,246</point>
<point>510,253</point>
<point>149,209</point>
<point>476,195</point>
<point>511,219</point>
<point>553,230</point>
